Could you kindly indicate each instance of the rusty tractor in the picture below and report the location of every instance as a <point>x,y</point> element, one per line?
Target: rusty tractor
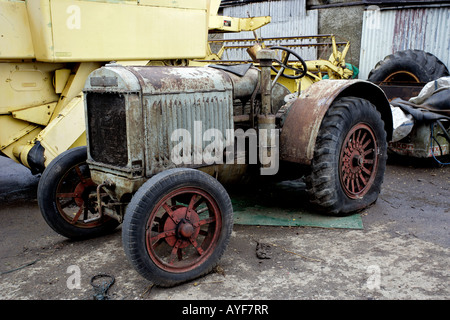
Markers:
<point>163,141</point>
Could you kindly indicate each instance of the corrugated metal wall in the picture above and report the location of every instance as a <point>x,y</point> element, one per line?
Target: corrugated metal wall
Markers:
<point>289,18</point>
<point>387,31</point>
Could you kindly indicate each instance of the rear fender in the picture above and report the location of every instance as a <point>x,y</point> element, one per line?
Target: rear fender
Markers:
<point>304,117</point>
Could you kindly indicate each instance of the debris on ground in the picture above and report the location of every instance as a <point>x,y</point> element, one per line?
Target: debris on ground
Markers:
<point>101,289</point>
<point>263,250</point>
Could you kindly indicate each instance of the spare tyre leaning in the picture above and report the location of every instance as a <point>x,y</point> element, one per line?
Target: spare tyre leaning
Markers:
<point>408,66</point>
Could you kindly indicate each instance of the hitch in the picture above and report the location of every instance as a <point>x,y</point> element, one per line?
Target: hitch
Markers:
<point>107,185</point>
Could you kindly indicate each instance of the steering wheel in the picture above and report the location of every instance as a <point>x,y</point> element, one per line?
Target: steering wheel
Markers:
<point>284,63</point>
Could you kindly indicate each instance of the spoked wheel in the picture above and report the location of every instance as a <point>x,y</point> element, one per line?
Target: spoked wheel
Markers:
<point>349,158</point>
<point>67,198</point>
<point>358,161</point>
<point>181,235</point>
<point>177,226</point>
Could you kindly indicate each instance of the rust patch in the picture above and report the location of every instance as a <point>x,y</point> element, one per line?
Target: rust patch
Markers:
<point>302,124</point>
<point>409,24</point>
<point>163,80</point>
<point>303,121</point>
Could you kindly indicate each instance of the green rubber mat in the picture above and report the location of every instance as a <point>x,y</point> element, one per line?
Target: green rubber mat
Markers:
<point>286,204</point>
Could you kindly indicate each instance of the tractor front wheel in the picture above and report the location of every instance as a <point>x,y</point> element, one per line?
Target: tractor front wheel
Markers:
<point>67,197</point>
<point>177,226</point>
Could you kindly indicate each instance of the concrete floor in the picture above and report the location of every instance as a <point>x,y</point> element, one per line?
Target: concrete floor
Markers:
<point>402,253</point>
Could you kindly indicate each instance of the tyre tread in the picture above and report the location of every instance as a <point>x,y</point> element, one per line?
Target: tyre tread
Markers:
<point>321,182</point>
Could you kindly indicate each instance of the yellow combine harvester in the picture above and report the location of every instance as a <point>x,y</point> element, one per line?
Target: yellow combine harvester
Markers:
<point>48,49</point>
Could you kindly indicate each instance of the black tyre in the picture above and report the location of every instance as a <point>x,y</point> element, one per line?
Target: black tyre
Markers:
<point>408,66</point>
<point>66,198</point>
<point>177,226</point>
<point>349,158</point>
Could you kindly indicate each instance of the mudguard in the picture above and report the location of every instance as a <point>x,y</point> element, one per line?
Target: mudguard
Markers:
<point>304,117</point>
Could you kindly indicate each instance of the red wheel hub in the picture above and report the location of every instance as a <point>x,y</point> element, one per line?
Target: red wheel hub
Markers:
<point>81,187</point>
<point>179,237</point>
<point>358,161</point>
<point>184,229</point>
<point>73,199</point>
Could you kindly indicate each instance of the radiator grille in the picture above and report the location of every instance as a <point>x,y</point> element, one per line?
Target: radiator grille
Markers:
<point>107,128</point>
<point>170,112</point>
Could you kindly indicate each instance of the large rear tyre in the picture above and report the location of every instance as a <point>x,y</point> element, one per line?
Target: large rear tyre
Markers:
<point>67,198</point>
<point>349,159</point>
<point>177,226</point>
<point>413,66</point>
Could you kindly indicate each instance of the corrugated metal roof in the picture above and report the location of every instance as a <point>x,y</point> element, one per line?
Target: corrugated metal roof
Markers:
<point>226,3</point>
<point>385,32</point>
<point>289,18</point>
<point>397,2</point>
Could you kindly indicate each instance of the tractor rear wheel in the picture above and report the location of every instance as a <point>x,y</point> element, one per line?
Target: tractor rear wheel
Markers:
<point>410,66</point>
<point>177,226</point>
<point>349,158</point>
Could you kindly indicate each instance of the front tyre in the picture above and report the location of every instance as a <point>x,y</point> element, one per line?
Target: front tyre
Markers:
<point>67,197</point>
<point>177,226</point>
<point>349,158</point>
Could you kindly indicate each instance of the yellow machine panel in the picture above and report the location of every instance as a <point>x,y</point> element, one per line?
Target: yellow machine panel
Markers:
<point>65,31</point>
<point>26,85</point>
<point>15,39</point>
